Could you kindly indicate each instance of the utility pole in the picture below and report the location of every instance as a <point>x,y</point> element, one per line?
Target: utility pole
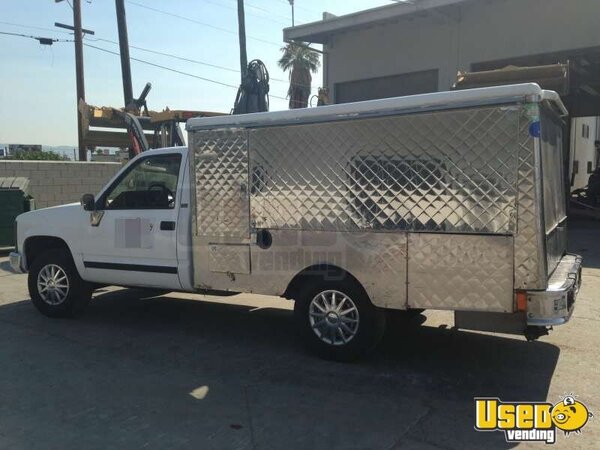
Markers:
<point>292,4</point>
<point>78,37</point>
<point>242,36</point>
<point>124,51</point>
<point>79,75</point>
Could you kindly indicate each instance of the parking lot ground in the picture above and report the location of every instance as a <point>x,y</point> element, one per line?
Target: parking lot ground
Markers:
<point>189,371</point>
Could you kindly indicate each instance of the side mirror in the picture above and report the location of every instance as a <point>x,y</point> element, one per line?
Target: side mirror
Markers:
<point>88,202</point>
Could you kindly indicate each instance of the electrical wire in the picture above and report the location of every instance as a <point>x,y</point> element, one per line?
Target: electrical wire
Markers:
<point>37,38</point>
<point>12,24</point>
<point>172,70</point>
<point>190,60</point>
<point>224,30</point>
<point>260,16</point>
<point>301,7</point>
<point>265,10</point>
<point>169,55</point>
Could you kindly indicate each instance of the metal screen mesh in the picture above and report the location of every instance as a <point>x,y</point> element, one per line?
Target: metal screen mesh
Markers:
<point>452,171</point>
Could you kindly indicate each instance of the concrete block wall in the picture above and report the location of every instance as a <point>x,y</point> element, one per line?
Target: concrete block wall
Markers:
<point>59,182</point>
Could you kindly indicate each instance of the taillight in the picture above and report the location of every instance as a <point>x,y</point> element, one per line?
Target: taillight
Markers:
<point>521,301</point>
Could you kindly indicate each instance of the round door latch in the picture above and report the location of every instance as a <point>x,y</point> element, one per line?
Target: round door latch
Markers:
<point>264,239</point>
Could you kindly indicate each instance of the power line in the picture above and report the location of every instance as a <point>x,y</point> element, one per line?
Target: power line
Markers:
<point>12,24</point>
<point>224,30</point>
<point>270,18</point>
<point>190,60</point>
<point>170,55</point>
<point>302,7</point>
<point>173,70</point>
<point>42,40</point>
<point>265,10</point>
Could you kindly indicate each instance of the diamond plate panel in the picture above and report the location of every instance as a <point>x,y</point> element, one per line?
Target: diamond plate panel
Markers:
<point>529,261</point>
<point>460,272</point>
<point>377,260</point>
<point>452,171</point>
<point>229,258</point>
<point>221,175</point>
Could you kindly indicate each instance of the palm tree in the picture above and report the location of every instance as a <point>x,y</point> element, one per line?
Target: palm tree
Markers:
<point>301,61</point>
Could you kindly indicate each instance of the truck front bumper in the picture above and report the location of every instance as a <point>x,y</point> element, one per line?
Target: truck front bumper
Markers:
<point>16,262</point>
<point>555,305</point>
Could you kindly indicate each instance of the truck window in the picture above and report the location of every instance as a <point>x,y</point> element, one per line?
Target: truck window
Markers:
<point>151,183</point>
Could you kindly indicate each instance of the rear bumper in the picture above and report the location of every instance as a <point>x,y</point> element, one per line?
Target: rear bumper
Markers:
<point>16,262</point>
<point>555,305</point>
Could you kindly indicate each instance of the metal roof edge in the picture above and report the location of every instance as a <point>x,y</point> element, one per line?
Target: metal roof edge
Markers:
<point>316,31</point>
<point>387,106</point>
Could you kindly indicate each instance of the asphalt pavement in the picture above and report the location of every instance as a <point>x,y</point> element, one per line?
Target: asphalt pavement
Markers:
<point>190,371</point>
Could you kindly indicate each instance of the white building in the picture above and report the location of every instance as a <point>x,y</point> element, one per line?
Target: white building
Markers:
<point>585,140</point>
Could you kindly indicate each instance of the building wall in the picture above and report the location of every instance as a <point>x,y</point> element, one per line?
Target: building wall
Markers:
<point>56,182</point>
<point>484,30</point>
<point>584,159</point>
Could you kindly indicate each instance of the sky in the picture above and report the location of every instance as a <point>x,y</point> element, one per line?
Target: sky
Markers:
<point>37,83</point>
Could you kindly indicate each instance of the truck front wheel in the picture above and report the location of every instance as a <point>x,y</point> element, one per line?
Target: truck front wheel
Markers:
<point>55,287</point>
<point>337,319</point>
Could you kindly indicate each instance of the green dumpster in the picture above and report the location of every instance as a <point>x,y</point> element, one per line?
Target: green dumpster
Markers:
<point>15,199</point>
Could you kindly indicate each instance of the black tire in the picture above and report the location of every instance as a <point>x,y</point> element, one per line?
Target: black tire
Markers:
<point>370,326</point>
<point>78,293</point>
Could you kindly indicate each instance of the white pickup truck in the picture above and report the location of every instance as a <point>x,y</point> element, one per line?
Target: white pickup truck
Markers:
<point>451,201</point>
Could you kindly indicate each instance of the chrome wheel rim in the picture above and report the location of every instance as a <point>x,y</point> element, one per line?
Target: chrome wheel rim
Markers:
<point>53,284</point>
<point>333,317</point>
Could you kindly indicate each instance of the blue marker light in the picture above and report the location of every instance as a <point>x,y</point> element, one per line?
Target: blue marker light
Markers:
<point>535,129</point>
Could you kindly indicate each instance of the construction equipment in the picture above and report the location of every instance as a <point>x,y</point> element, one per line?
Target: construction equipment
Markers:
<point>253,94</point>
<point>135,127</point>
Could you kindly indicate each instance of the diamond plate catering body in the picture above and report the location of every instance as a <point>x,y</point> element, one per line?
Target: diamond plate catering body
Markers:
<point>452,201</point>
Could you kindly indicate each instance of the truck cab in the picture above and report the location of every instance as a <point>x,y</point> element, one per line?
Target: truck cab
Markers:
<point>135,232</point>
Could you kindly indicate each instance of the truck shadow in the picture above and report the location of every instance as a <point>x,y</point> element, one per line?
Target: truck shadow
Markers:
<point>583,240</point>
<point>416,391</point>
<point>5,267</point>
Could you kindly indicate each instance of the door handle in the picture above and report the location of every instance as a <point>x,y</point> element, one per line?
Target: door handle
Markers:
<point>167,226</point>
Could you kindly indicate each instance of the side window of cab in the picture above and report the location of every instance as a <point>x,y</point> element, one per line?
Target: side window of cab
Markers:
<point>150,183</point>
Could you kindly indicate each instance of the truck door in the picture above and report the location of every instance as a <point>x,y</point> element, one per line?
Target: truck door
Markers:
<point>222,235</point>
<point>132,239</point>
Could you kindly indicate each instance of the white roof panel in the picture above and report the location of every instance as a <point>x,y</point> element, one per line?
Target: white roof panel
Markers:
<point>387,106</point>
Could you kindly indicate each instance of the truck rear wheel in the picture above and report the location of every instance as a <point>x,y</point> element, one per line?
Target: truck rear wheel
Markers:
<point>55,287</point>
<point>337,320</point>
